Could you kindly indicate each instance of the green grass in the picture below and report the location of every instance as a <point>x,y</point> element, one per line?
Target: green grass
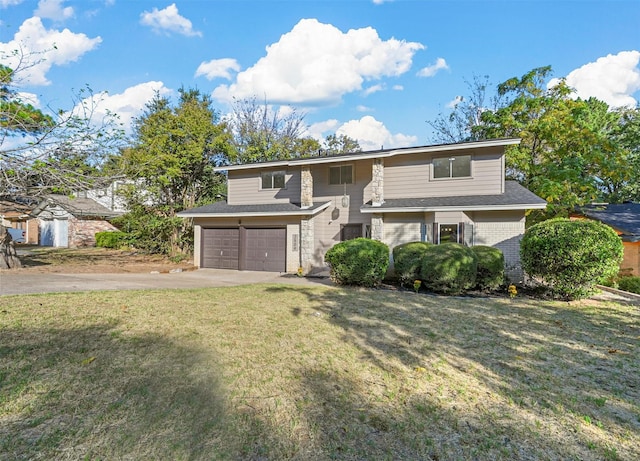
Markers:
<point>285,372</point>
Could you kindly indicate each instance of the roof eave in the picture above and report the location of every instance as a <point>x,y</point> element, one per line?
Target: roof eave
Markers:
<point>301,212</point>
<point>375,154</point>
<point>423,209</point>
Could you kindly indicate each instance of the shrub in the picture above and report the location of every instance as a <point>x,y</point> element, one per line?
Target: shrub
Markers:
<point>110,239</point>
<point>359,261</point>
<point>490,274</point>
<point>570,257</point>
<point>407,260</point>
<point>630,284</point>
<point>449,268</point>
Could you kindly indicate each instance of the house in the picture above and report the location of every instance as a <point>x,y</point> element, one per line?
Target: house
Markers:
<point>283,215</point>
<point>624,218</point>
<point>71,222</point>
<point>15,213</point>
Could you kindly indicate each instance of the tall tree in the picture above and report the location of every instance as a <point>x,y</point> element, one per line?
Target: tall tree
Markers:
<point>171,163</point>
<point>262,134</point>
<point>41,153</point>
<point>340,144</point>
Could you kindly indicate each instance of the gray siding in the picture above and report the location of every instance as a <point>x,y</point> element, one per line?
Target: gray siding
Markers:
<point>413,173</point>
<point>244,188</point>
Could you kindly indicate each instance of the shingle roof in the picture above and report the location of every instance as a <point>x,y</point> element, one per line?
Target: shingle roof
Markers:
<point>79,207</point>
<point>218,209</point>
<point>515,197</point>
<point>623,217</point>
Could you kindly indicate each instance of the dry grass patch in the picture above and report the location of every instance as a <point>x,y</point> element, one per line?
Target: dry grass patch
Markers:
<point>283,372</point>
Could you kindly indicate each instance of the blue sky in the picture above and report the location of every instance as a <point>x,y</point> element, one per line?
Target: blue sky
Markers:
<point>375,70</point>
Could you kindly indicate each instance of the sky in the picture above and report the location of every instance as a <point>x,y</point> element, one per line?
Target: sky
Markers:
<point>375,70</point>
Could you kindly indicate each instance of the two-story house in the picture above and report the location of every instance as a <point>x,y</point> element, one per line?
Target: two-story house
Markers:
<point>283,215</point>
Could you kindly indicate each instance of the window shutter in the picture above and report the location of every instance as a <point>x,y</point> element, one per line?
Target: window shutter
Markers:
<point>435,233</point>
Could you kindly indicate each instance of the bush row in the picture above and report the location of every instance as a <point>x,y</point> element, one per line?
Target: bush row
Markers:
<point>448,268</point>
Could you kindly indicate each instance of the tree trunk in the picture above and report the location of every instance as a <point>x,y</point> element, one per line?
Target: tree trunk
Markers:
<point>8,256</point>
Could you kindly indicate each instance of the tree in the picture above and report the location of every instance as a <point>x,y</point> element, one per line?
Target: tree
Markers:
<point>262,134</point>
<point>340,144</point>
<point>171,166</point>
<point>41,153</point>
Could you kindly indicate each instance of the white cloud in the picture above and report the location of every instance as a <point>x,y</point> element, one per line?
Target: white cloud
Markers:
<point>218,68</point>
<point>454,102</point>
<point>373,89</point>
<point>612,79</point>
<point>8,3</point>
<point>362,108</point>
<point>398,88</point>
<point>29,98</point>
<point>370,133</point>
<point>168,20</point>
<point>317,63</point>
<point>53,9</point>
<point>127,105</point>
<point>433,69</point>
<point>45,48</point>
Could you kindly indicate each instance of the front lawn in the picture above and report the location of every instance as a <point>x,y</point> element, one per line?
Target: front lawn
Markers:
<point>273,372</point>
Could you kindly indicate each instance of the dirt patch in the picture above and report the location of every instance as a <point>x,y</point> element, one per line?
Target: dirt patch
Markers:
<point>94,260</point>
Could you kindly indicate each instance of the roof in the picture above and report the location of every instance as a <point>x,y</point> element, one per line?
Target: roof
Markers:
<point>515,197</point>
<point>223,210</point>
<point>623,217</point>
<point>78,207</point>
<point>381,153</point>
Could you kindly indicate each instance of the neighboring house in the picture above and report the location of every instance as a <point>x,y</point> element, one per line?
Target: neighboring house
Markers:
<point>108,196</point>
<point>282,215</point>
<point>71,222</point>
<point>624,218</point>
<point>15,213</point>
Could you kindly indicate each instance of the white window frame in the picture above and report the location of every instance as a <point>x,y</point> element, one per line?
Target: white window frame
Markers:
<point>451,159</point>
<point>272,174</point>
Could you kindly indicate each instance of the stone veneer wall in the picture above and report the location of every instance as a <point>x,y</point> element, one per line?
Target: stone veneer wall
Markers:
<point>82,232</point>
<point>306,244</point>
<point>306,187</point>
<point>377,182</point>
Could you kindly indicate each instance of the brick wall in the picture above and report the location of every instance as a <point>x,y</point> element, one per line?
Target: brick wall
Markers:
<point>506,236</point>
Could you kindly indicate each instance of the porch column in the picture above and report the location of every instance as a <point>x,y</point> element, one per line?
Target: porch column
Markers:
<point>377,227</point>
<point>306,244</point>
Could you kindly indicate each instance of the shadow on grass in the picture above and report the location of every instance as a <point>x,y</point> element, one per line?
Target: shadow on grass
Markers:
<point>547,379</point>
<point>96,393</point>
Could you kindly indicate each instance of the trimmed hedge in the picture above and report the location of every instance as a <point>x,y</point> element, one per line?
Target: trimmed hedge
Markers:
<point>110,239</point>
<point>570,257</point>
<point>629,283</point>
<point>407,261</point>
<point>360,261</point>
<point>490,274</point>
<point>449,268</point>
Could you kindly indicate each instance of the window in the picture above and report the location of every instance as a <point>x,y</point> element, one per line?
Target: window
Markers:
<point>273,180</point>
<point>341,174</point>
<point>448,233</point>
<point>452,167</point>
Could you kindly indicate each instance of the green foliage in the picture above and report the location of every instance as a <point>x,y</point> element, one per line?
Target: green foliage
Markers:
<point>629,283</point>
<point>111,239</point>
<point>360,261</point>
<point>490,275</point>
<point>407,261</point>
<point>570,257</point>
<point>449,268</point>
<point>147,229</point>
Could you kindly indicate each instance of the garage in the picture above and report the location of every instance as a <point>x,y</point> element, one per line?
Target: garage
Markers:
<point>265,250</point>
<point>254,249</point>
<point>220,248</point>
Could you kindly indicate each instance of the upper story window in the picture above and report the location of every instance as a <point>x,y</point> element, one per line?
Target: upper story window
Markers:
<point>458,166</point>
<point>273,180</point>
<point>341,174</point>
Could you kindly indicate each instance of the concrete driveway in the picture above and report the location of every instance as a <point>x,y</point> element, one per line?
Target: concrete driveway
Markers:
<point>21,282</point>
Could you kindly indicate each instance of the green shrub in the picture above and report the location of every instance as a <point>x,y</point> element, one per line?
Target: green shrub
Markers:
<point>490,274</point>
<point>449,268</point>
<point>110,239</point>
<point>570,257</point>
<point>359,261</point>
<point>407,260</point>
<point>629,283</point>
